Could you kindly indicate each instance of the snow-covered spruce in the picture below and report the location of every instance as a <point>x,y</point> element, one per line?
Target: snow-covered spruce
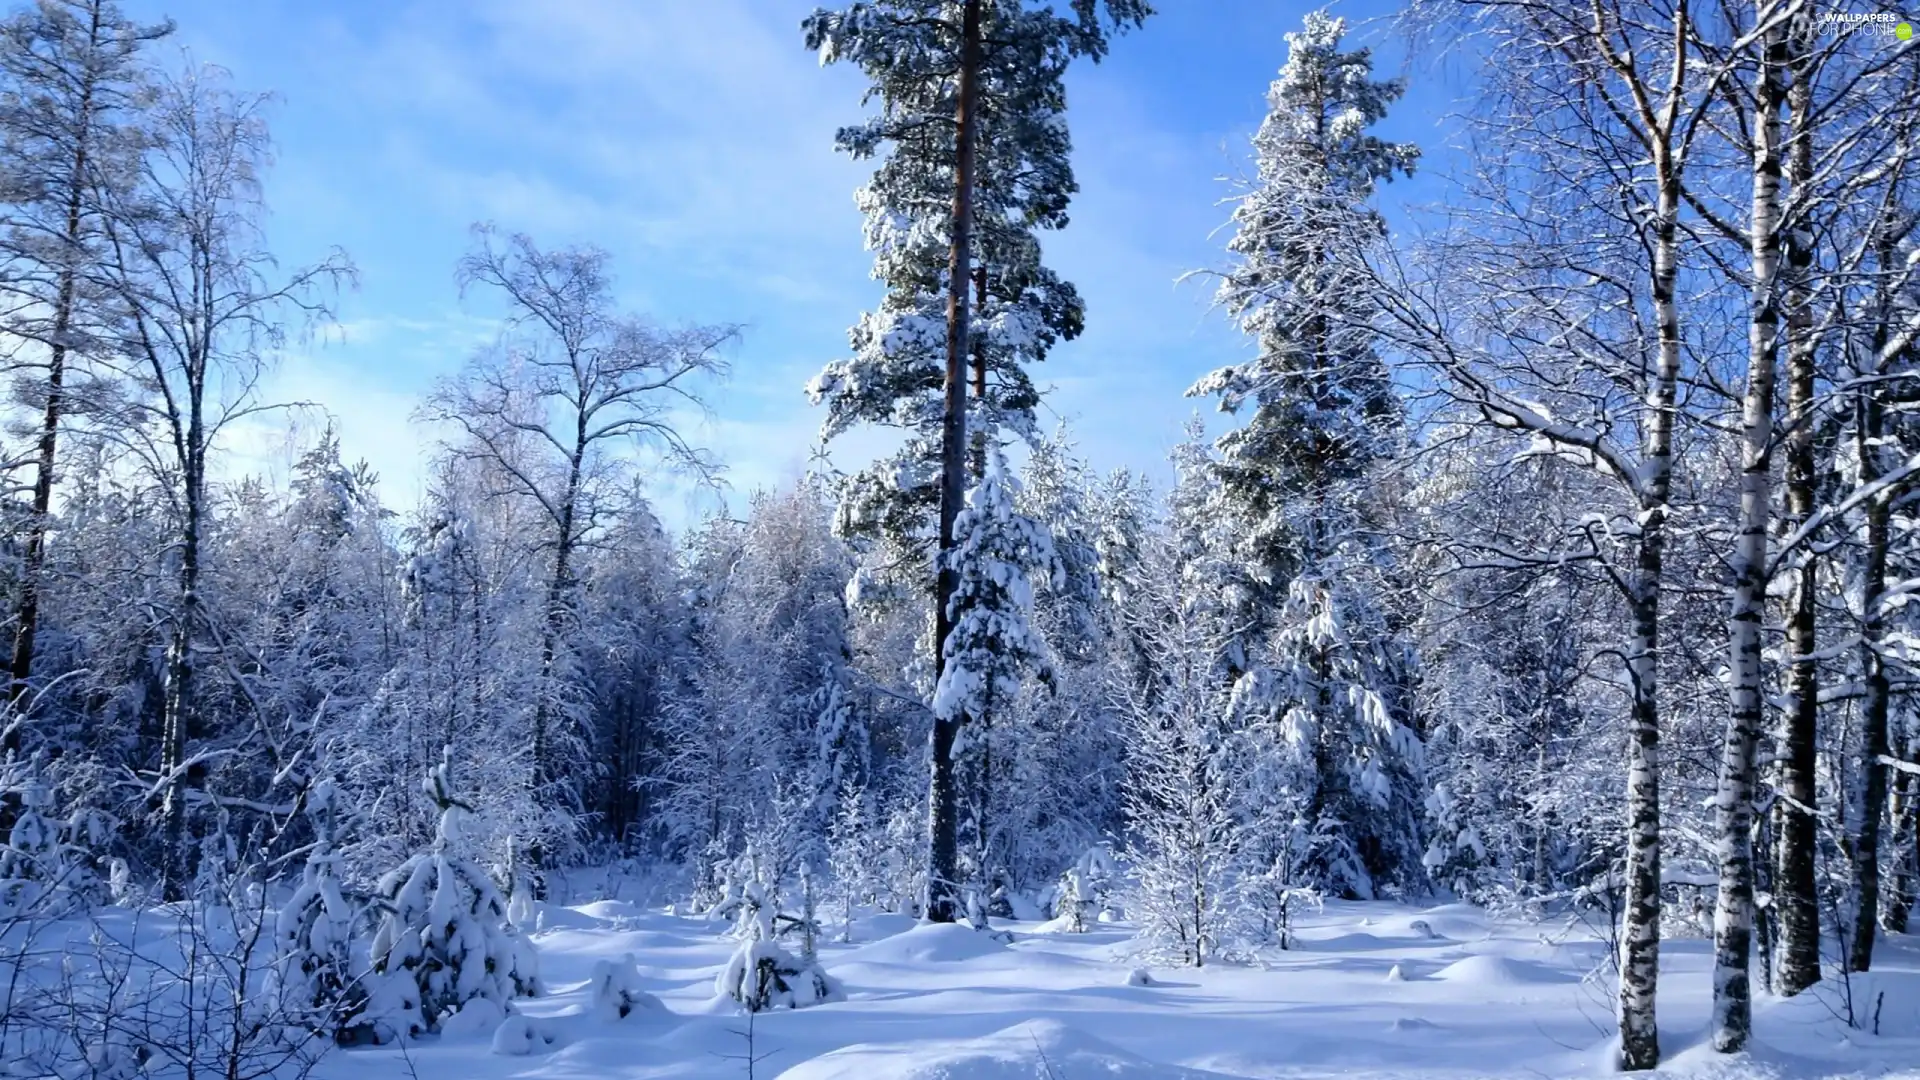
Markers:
<point>854,856</point>
<point>443,939</point>
<point>761,975</point>
<point>1185,770</point>
<point>48,866</point>
<point>617,993</point>
<point>314,934</point>
<point>1296,481</point>
<point>1339,769</point>
<point>29,861</point>
<point>993,643</point>
<point>992,646</point>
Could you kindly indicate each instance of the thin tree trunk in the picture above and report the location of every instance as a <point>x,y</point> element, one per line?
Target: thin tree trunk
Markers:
<point>1867,780</point>
<point>179,704</point>
<point>1905,858</point>
<point>1640,915</point>
<point>942,862</point>
<point>555,624</point>
<point>983,797</point>
<point>1870,775</point>
<point>1795,892</point>
<point>980,376</point>
<point>1765,925</point>
<point>1732,1019</point>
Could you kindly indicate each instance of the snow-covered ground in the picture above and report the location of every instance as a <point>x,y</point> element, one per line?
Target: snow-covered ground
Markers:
<point>1372,991</point>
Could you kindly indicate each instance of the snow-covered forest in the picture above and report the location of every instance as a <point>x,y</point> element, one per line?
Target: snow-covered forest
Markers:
<point>1516,664</point>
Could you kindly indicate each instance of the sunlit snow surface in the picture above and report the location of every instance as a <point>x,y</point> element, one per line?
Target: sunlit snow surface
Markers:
<point>1373,991</point>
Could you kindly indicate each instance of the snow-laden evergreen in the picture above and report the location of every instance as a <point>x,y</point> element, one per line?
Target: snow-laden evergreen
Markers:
<point>617,992</point>
<point>30,863</point>
<point>1186,767</point>
<point>763,975</point>
<point>1299,482</point>
<point>1351,807</point>
<point>1322,405</point>
<point>320,969</point>
<point>1022,185</point>
<point>997,553</point>
<point>443,942</point>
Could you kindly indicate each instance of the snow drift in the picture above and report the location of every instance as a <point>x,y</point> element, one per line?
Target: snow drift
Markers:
<point>1021,1052</point>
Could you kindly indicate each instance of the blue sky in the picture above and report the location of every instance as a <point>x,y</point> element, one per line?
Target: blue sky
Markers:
<point>693,140</point>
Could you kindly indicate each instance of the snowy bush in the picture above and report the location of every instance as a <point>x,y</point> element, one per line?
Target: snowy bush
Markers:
<point>1186,831</point>
<point>743,902</point>
<point>903,862</point>
<point>443,938</point>
<point>1271,899</point>
<point>1084,888</point>
<point>518,1036</point>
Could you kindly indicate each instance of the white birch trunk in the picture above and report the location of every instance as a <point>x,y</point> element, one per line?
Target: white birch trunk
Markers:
<point>1732,1019</point>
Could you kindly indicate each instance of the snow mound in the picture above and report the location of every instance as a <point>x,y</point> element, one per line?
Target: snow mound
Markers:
<point>1060,925</point>
<point>1496,971</point>
<point>519,1036</point>
<point>476,1017</point>
<point>610,911</point>
<point>1394,974</point>
<point>929,943</point>
<point>1026,908</point>
<point>576,918</point>
<point>882,924</point>
<point>1457,922</point>
<point>1021,1052</point>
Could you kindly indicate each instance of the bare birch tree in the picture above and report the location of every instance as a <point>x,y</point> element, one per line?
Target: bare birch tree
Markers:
<point>557,410</point>
<point>1577,342</point>
<point>201,305</point>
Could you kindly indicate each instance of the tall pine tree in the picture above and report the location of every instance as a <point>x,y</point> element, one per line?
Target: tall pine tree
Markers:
<point>971,101</point>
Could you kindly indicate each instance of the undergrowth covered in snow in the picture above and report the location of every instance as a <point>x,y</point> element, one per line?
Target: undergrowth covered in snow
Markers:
<point>1376,990</point>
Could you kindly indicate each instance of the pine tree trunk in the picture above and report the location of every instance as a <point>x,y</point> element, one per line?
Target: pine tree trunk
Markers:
<point>942,853</point>
<point>33,559</point>
<point>1732,1020</point>
<point>983,795</point>
<point>1795,894</point>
